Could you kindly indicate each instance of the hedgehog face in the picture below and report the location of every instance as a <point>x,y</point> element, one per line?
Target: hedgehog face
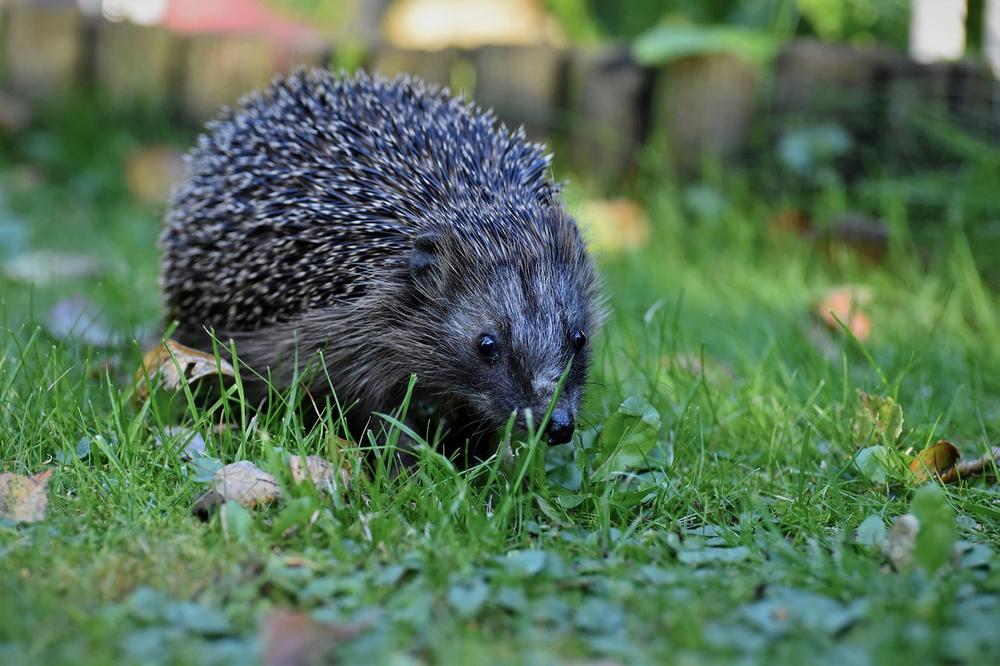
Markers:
<point>509,330</point>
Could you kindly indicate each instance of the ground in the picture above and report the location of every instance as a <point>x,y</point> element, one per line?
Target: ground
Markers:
<point>712,518</point>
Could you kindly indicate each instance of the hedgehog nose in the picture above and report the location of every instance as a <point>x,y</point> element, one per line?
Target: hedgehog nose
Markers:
<point>560,427</point>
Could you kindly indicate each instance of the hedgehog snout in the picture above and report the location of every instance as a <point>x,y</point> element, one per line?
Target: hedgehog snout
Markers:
<point>561,426</point>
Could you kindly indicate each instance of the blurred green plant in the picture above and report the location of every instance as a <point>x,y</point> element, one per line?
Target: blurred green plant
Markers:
<point>865,21</point>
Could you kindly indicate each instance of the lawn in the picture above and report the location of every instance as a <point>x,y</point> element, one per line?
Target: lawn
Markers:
<point>708,513</point>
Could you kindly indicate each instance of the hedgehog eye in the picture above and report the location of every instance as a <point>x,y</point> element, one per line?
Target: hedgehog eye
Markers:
<point>579,339</point>
<point>488,346</point>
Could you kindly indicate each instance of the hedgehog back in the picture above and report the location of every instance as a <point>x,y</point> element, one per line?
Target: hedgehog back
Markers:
<point>313,189</point>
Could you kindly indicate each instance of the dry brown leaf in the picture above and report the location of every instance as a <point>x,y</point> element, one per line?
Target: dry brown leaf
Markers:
<point>614,225</point>
<point>293,638</point>
<point>320,471</point>
<point>247,484</point>
<point>193,364</point>
<point>934,460</point>
<point>846,304</point>
<point>24,499</point>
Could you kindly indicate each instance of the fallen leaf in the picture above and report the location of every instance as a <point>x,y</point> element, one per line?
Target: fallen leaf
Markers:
<point>247,484</point>
<point>614,225</point>
<point>293,638</point>
<point>24,499</point>
<point>879,418</point>
<point>44,267</point>
<point>151,172</point>
<point>934,460</point>
<point>846,304</point>
<point>320,471</point>
<point>164,361</point>
<point>902,540</point>
<point>77,319</point>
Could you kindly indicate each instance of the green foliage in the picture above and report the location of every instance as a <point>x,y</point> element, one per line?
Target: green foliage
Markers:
<point>666,43</point>
<point>938,532</point>
<point>861,21</point>
<point>628,437</point>
<point>709,514</point>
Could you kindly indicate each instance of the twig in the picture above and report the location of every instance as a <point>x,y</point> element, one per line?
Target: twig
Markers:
<point>966,468</point>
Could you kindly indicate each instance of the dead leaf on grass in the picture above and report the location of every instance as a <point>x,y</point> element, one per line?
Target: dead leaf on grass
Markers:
<point>293,638</point>
<point>247,484</point>
<point>934,460</point>
<point>322,473</point>
<point>846,304</point>
<point>164,361</point>
<point>24,499</point>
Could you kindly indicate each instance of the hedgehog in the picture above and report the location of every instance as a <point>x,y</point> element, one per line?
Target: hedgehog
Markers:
<point>349,231</point>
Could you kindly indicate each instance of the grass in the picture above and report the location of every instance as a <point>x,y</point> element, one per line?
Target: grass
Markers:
<point>734,542</point>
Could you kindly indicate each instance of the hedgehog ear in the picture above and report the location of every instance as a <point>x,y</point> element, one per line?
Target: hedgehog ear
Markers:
<point>425,264</point>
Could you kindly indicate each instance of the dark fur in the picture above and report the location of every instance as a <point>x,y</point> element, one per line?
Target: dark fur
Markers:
<point>387,226</point>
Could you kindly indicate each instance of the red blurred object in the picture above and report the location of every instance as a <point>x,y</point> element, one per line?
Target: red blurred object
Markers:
<point>234,16</point>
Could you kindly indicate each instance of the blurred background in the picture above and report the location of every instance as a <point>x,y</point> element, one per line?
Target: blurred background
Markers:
<point>854,126</point>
